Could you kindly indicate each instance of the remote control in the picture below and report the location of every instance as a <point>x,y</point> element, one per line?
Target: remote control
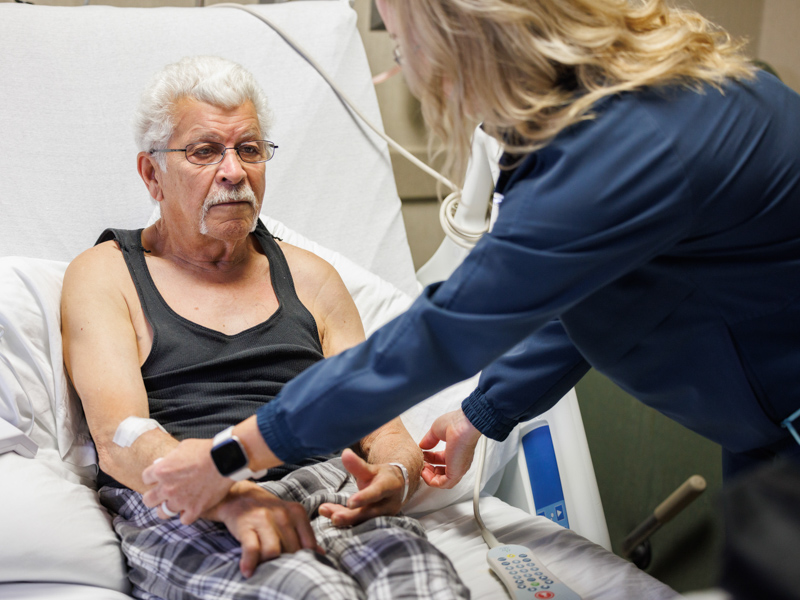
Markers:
<point>524,576</point>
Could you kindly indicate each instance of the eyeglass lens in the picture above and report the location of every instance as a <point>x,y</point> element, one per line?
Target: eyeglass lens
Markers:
<point>209,153</point>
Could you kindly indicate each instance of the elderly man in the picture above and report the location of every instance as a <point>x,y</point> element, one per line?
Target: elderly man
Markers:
<point>182,329</point>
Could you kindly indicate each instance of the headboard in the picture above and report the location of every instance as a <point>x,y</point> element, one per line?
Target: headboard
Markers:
<point>67,109</point>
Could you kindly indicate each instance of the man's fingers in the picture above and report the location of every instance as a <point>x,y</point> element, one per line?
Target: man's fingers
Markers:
<point>251,552</point>
<point>369,495</point>
<point>357,467</point>
<point>285,525</point>
<point>297,533</point>
<point>333,512</point>
<point>341,516</point>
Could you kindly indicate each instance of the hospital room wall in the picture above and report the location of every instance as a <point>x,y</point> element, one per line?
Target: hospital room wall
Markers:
<point>640,456</point>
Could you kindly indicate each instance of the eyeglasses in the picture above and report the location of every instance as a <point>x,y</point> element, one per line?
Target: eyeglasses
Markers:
<point>212,153</point>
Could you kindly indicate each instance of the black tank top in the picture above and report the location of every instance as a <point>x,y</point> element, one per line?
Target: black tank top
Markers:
<point>200,381</point>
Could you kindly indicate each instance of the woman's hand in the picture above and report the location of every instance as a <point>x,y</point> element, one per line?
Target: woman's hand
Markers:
<point>381,488</point>
<point>444,469</point>
<point>264,525</point>
<point>187,480</point>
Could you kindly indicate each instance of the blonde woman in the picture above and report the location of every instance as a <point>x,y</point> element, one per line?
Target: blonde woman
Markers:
<point>649,227</point>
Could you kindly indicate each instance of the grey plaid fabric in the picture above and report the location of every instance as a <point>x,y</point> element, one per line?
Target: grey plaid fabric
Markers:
<point>383,558</point>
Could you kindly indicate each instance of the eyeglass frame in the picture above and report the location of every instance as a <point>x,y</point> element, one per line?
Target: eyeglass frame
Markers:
<point>224,150</point>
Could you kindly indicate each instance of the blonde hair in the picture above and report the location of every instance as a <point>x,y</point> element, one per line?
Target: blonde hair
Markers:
<point>528,69</point>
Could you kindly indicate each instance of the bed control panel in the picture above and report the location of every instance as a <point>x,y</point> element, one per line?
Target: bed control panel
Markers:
<point>524,576</point>
<point>545,481</point>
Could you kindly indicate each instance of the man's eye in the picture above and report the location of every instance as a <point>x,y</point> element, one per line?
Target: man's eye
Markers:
<point>204,151</point>
<point>249,149</point>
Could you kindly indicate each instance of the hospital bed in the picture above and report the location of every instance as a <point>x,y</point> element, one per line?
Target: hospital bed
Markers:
<point>71,78</point>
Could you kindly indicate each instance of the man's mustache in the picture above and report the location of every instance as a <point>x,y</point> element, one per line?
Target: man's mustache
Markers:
<point>221,196</point>
<point>243,193</point>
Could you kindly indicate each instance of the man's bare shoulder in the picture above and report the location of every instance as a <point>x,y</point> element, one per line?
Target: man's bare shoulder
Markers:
<point>308,266</point>
<point>99,267</point>
<point>317,282</point>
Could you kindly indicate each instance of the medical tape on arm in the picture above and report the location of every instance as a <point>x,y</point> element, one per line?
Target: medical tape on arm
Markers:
<point>131,428</point>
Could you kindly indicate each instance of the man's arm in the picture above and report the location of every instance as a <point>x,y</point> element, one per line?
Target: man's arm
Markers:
<point>102,358</point>
<point>381,485</point>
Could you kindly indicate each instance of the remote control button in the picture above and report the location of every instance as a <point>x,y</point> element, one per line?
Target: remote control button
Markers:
<point>545,595</point>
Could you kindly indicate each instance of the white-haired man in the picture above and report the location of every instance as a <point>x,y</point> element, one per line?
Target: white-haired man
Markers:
<point>185,327</point>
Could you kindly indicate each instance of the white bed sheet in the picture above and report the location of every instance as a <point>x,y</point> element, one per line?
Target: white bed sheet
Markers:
<point>589,569</point>
<point>57,591</point>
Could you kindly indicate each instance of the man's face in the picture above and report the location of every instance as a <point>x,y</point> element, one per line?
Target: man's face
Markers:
<point>224,200</point>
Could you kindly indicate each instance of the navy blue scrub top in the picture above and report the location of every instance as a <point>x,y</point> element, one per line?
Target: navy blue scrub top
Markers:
<point>658,242</point>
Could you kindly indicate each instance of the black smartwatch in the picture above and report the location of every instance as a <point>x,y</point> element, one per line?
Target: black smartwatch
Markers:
<point>230,457</point>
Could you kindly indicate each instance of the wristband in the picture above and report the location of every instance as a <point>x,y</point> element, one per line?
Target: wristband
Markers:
<point>403,469</point>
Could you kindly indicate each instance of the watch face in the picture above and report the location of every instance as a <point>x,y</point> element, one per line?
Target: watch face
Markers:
<point>229,457</point>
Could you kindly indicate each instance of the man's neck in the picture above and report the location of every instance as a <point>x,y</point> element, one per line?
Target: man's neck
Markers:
<point>199,253</point>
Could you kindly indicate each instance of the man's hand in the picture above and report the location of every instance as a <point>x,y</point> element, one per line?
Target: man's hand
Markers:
<point>380,492</point>
<point>264,524</point>
<point>445,469</point>
<point>187,480</point>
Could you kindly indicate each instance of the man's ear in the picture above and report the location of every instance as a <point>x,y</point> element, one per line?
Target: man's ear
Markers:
<point>150,173</point>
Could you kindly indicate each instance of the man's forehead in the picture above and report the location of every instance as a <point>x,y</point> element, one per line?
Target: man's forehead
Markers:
<point>194,117</point>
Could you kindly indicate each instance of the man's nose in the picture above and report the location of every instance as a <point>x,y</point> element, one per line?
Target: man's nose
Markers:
<point>231,169</point>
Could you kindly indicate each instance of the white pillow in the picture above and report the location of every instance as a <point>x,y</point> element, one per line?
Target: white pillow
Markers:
<point>54,528</point>
<point>30,317</point>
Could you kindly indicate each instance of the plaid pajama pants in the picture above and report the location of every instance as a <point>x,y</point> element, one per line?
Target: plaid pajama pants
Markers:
<point>386,557</point>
